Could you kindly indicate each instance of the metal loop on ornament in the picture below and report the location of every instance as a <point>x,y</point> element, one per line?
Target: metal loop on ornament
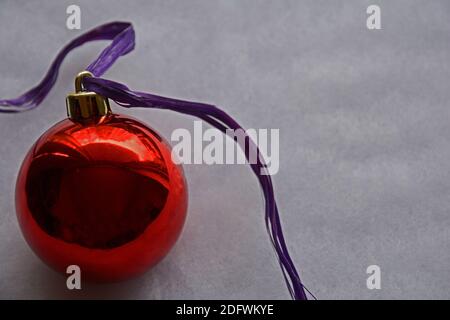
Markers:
<point>79,80</point>
<point>85,105</point>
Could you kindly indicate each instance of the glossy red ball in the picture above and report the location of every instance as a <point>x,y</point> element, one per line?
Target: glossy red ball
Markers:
<point>104,195</point>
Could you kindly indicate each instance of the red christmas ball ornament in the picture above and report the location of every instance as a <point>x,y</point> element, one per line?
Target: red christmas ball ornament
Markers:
<point>100,190</point>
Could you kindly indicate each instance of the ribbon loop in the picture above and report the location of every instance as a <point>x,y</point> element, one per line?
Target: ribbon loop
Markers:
<point>123,36</point>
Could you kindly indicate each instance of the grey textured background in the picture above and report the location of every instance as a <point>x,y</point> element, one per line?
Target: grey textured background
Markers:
<point>364,127</point>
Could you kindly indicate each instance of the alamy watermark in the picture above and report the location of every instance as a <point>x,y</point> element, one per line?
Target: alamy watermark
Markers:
<point>373,21</point>
<point>374,280</point>
<point>211,146</point>
<point>73,21</point>
<point>73,281</point>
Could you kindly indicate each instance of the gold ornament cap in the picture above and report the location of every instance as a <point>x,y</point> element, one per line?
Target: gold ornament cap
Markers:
<point>86,105</point>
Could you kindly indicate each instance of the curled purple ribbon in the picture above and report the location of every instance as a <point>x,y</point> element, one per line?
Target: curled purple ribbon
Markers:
<point>123,41</point>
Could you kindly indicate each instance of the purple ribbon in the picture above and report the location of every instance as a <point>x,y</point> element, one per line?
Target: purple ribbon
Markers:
<point>122,34</point>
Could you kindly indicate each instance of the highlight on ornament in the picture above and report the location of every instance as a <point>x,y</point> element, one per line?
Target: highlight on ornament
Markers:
<point>100,190</point>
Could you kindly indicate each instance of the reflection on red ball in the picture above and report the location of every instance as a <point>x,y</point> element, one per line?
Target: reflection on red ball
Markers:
<point>103,195</point>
